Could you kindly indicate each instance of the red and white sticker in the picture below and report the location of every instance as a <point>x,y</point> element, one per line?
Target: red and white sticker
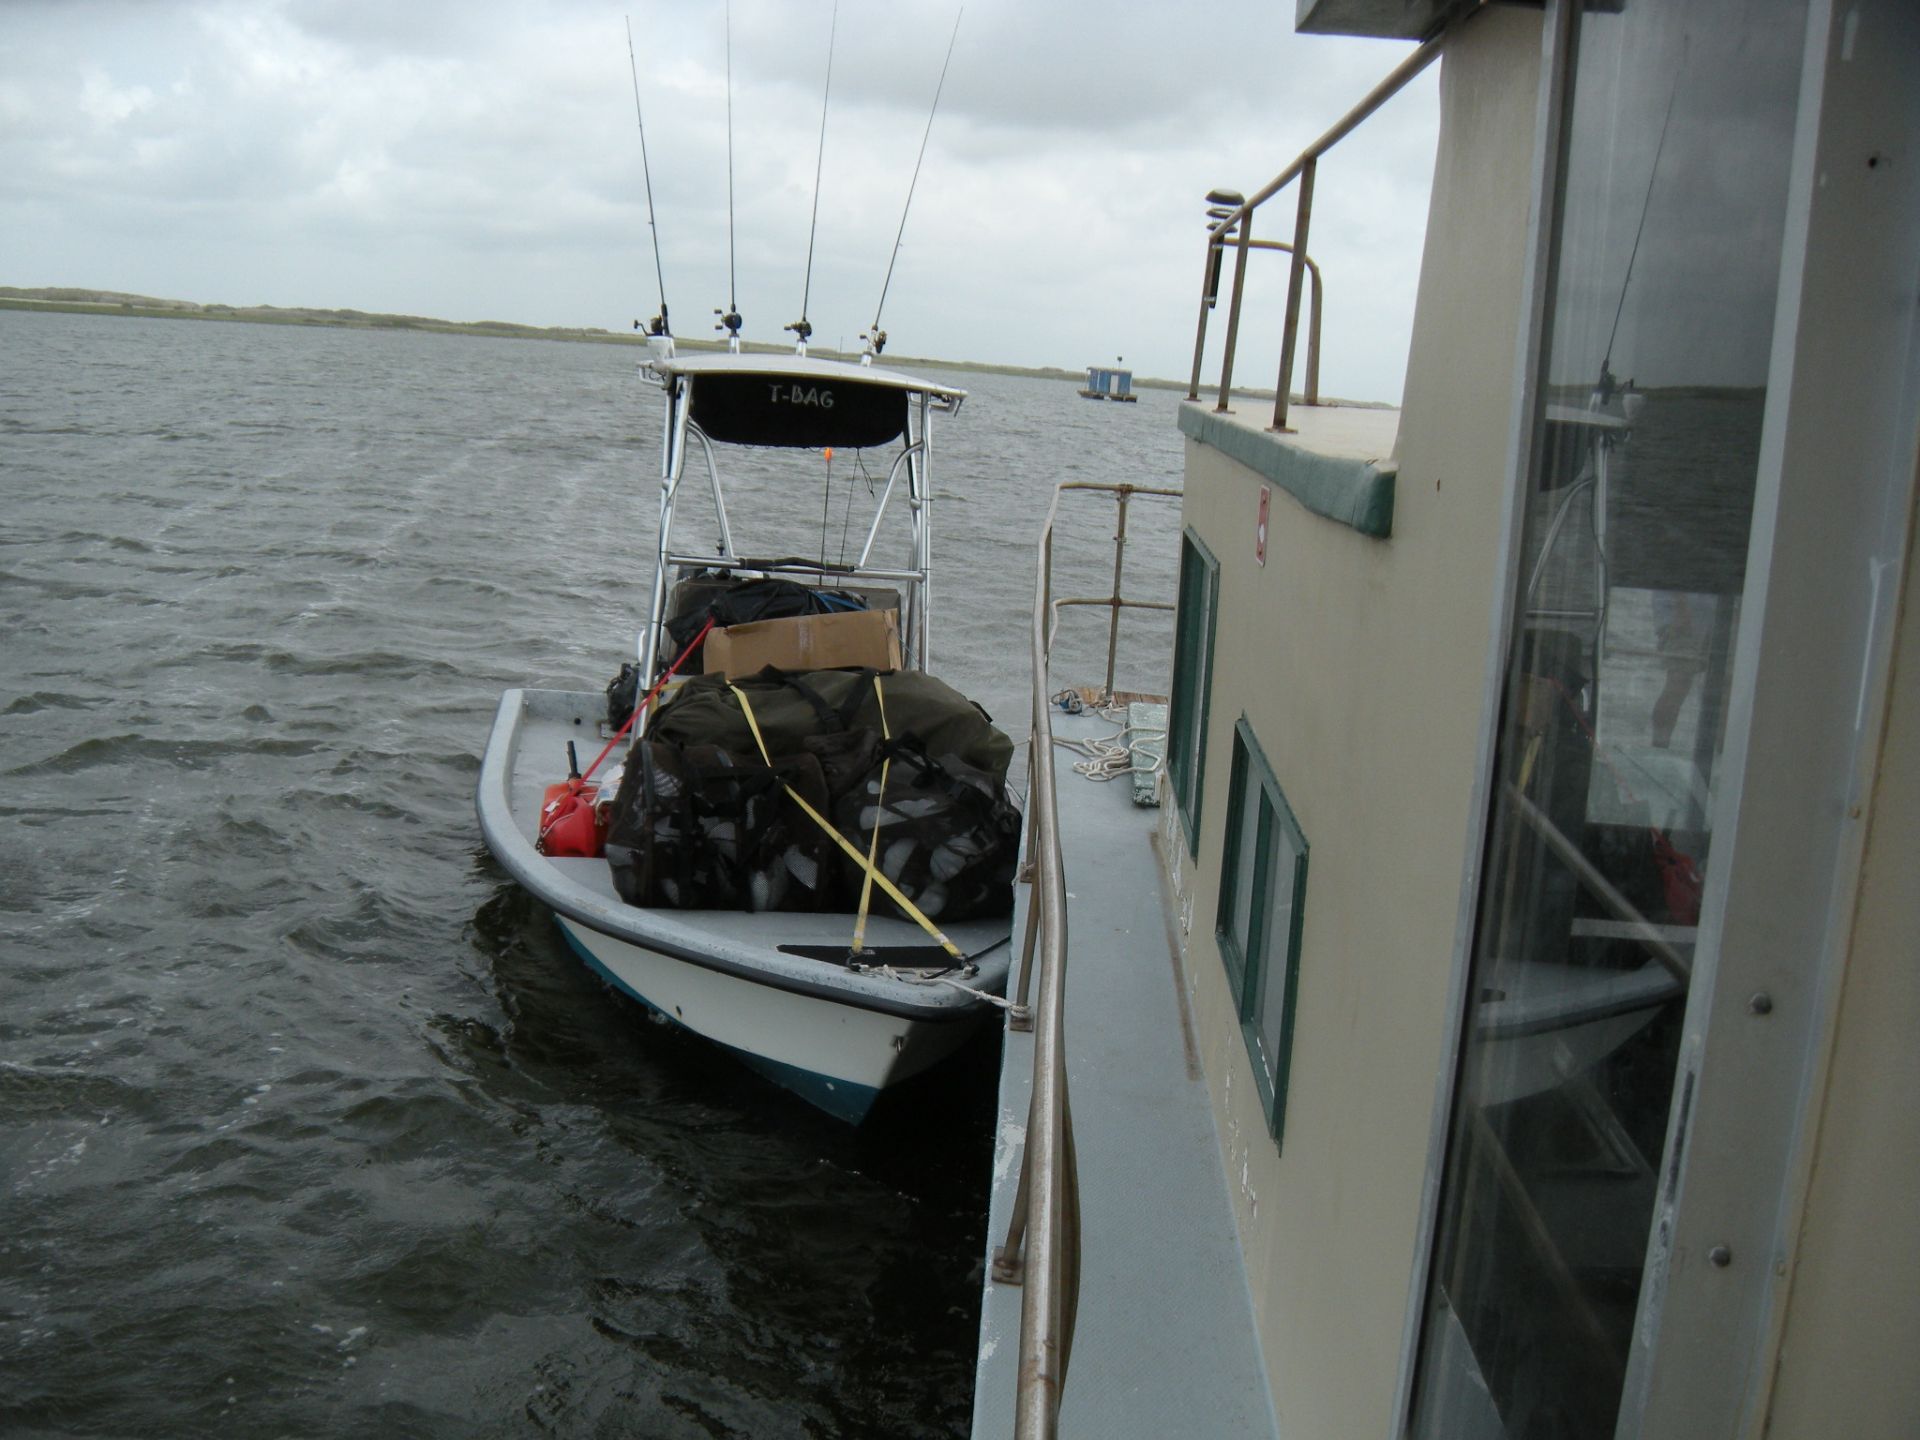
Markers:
<point>1260,530</point>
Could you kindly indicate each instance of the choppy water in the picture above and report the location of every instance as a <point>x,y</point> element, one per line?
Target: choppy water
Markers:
<point>308,1123</point>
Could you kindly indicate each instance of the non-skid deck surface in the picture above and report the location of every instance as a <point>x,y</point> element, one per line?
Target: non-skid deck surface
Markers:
<point>1165,1344</point>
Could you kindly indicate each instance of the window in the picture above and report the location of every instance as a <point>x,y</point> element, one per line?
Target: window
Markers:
<point>1263,890</point>
<point>1192,679</point>
<point>1638,494</point>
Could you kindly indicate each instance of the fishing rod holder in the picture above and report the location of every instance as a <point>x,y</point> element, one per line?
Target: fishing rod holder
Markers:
<point>659,349</point>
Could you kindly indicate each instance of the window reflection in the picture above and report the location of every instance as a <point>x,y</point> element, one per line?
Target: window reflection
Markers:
<point>1599,833</point>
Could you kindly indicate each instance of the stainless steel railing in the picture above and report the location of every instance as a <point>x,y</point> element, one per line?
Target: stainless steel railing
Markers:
<point>1041,1252</point>
<point>1122,494</point>
<point>1233,223</point>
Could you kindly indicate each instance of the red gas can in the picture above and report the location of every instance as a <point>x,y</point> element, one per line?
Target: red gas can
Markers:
<point>570,822</point>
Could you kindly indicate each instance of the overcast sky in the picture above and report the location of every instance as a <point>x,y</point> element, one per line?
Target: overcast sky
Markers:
<point>482,161</point>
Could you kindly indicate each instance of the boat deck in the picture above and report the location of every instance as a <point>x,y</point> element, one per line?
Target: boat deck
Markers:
<point>1165,1342</point>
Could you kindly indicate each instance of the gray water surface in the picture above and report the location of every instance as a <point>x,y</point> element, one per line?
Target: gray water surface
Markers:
<point>309,1124</point>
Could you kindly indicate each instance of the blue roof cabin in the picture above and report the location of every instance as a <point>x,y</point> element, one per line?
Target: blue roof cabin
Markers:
<point>1104,383</point>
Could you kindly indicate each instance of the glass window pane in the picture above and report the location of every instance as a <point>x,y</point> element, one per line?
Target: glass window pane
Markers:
<point>1275,946</point>
<point>1633,563</point>
<point>1245,864</point>
<point>1193,645</point>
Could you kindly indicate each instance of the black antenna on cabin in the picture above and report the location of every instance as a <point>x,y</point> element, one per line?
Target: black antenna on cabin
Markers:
<point>801,327</point>
<point>876,338</point>
<point>730,321</point>
<point>1607,384</point>
<point>659,325</point>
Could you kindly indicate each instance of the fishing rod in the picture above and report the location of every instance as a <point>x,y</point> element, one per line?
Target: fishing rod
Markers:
<point>659,325</point>
<point>876,338</point>
<point>801,327</point>
<point>730,321</point>
<point>1606,386</point>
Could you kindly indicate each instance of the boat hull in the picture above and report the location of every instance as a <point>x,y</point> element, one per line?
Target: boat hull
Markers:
<point>834,1035</point>
<point>837,1057</point>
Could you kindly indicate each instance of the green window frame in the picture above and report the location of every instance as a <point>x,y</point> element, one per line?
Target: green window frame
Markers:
<point>1263,893</point>
<point>1199,604</point>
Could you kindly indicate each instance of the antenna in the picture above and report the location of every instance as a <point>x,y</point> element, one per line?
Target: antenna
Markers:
<point>875,337</point>
<point>801,327</point>
<point>1606,385</point>
<point>659,325</point>
<point>730,321</point>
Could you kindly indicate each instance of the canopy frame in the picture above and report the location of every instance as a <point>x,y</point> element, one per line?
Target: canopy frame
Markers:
<point>680,378</point>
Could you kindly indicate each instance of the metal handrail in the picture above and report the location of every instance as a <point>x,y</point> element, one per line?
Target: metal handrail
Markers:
<point>1238,224</point>
<point>1316,305</point>
<point>1122,494</point>
<point>1041,1252</point>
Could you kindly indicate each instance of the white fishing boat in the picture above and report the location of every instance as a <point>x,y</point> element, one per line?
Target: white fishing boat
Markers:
<point>836,1006</point>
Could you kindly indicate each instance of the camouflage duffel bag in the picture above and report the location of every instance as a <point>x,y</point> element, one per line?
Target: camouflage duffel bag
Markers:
<point>696,827</point>
<point>790,706</point>
<point>948,835</point>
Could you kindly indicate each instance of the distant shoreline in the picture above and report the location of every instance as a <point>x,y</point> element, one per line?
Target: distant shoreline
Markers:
<point>66,300</point>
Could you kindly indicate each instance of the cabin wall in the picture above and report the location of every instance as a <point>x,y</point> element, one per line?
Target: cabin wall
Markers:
<point>1845,1364</point>
<point>1360,663</point>
<point>1845,1358</point>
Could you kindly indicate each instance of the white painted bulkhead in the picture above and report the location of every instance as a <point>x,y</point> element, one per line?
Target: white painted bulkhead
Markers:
<point>1359,663</point>
<point>1362,665</point>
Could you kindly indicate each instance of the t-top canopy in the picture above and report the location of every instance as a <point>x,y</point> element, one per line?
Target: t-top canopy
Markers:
<point>798,402</point>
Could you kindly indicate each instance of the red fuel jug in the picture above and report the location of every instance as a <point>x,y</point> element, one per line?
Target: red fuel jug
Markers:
<point>570,822</point>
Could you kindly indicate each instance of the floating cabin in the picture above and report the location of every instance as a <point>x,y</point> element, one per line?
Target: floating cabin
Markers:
<point>1104,383</point>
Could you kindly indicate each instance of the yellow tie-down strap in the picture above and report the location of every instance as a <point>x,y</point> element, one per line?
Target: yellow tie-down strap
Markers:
<point>873,847</point>
<point>873,872</point>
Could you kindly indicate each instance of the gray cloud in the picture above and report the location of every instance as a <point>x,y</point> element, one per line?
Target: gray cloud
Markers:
<point>481,161</point>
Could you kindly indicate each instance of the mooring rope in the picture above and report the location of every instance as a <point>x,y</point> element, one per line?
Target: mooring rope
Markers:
<point>1109,757</point>
<point>908,977</point>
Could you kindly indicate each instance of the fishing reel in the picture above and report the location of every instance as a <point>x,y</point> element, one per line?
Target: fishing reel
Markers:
<point>659,344</point>
<point>803,328</point>
<point>875,340</point>
<point>730,322</point>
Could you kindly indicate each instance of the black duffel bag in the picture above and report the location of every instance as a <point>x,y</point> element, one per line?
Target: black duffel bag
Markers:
<point>740,602</point>
<point>696,827</point>
<point>948,835</point>
<point>791,706</point>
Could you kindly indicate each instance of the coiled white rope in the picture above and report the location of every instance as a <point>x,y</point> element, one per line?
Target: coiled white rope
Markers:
<point>908,977</point>
<point>1109,757</point>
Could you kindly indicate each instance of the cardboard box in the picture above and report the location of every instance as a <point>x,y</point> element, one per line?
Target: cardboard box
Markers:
<point>806,642</point>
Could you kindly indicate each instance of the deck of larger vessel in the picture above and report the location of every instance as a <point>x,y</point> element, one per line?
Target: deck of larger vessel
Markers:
<point>1165,1341</point>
